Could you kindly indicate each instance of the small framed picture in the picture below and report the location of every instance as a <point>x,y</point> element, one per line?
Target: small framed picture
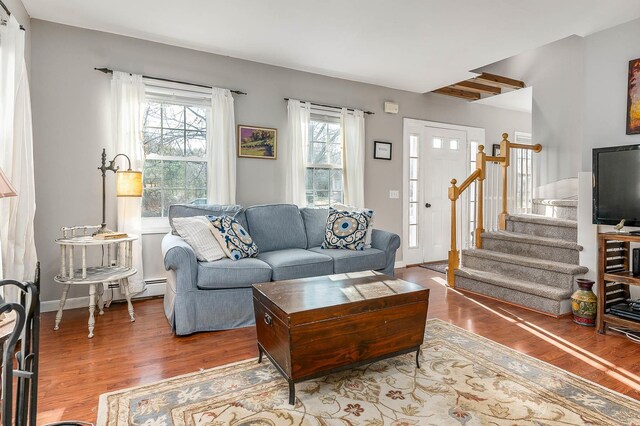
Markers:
<point>382,150</point>
<point>495,151</point>
<point>257,142</point>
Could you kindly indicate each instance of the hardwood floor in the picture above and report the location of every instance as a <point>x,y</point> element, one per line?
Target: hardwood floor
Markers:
<point>76,370</point>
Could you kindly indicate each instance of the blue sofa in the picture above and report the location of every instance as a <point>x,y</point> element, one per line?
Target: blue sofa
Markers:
<point>206,296</point>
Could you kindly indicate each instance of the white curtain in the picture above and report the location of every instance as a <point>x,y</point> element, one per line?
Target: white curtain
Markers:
<point>221,149</point>
<point>299,117</point>
<point>17,243</point>
<point>127,97</point>
<point>353,134</point>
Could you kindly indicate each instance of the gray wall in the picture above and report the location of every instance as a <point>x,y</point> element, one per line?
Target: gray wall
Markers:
<point>555,71</point>
<point>72,123</point>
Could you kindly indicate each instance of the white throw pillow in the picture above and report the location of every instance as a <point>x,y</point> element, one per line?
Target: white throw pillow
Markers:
<point>197,232</point>
<point>345,208</point>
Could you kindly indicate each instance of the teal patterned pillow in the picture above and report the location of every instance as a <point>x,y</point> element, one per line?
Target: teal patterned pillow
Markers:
<point>346,230</point>
<point>233,238</point>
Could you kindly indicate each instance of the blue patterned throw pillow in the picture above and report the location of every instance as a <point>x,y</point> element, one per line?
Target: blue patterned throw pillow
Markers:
<point>346,230</point>
<point>233,238</point>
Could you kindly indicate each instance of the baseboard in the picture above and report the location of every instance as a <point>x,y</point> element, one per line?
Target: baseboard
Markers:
<point>399,264</point>
<point>154,288</point>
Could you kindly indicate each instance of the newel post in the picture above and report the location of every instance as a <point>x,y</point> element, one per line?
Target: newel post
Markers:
<point>454,256</point>
<point>504,152</point>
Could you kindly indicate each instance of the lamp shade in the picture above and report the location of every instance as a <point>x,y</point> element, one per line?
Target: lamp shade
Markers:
<point>129,183</point>
<point>6,189</point>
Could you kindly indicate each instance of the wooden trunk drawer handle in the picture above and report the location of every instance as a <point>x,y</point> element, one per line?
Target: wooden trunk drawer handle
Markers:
<point>267,319</point>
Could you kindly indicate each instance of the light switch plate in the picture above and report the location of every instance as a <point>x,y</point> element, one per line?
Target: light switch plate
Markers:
<point>394,194</point>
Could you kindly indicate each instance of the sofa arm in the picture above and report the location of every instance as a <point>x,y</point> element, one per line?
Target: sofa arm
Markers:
<point>389,243</point>
<point>179,256</point>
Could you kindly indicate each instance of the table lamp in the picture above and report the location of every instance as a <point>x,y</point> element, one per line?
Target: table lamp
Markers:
<point>128,184</point>
<point>6,189</point>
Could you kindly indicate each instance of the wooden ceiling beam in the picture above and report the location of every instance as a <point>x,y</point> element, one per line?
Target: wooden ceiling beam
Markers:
<point>498,79</point>
<point>458,93</point>
<point>473,86</point>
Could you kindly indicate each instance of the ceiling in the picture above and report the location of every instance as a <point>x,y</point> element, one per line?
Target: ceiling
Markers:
<point>415,45</point>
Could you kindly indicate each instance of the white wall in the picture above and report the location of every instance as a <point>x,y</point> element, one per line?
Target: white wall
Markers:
<point>72,123</point>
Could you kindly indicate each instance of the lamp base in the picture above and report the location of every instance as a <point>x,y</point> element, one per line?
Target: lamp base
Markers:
<point>103,230</point>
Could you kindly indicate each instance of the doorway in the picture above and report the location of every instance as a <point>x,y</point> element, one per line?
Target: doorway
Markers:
<point>434,153</point>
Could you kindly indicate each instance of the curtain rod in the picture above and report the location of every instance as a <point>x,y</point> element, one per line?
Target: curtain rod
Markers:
<point>108,71</point>
<point>335,107</point>
<point>6,9</point>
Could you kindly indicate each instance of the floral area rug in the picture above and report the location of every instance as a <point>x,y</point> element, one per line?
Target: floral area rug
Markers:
<point>464,379</point>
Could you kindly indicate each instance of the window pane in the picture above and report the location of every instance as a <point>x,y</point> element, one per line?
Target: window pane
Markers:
<point>173,116</point>
<point>308,179</point>
<point>310,198</point>
<point>196,144</point>
<point>173,173</point>
<point>152,115</point>
<point>172,196</point>
<point>152,174</point>
<point>333,133</point>
<point>413,236</point>
<point>413,213</point>
<point>172,143</point>
<point>413,168</point>
<point>413,191</point>
<point>336,197</point>
<point>336,180</point>
<point>437,143</point>
<point>152,203</point>
<point>196,118</point>
<point>152,141</point>
<point>413,146</point>
<point>318,131</point>
<point>196,175</point>
<point>196,196</point>
<point>318,153</point>
<point>322,198</point>
<point>335,153</point>
<point>454,143</point>
<point>321,180</point>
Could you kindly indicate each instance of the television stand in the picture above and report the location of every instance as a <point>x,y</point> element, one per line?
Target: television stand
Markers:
<point>614,278</point>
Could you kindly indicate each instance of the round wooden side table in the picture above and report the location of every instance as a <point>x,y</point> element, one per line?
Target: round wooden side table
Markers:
<point>118,267</point>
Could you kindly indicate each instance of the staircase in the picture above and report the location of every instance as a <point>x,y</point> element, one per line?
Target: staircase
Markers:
<point>532,263</point>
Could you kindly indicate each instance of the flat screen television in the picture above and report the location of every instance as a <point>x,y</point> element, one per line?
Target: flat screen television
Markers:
<point>616,185</point>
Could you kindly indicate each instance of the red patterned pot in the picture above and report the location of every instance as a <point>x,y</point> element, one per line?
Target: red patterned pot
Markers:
<point>584,303</point>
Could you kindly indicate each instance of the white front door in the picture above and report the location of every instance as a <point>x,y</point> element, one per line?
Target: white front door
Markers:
<point>444,158</point>
<point>434,153</point>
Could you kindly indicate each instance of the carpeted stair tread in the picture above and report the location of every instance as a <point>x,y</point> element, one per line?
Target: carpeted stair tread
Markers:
<point>565,202</point>
<point>543,220</point>
<point>563,268</point>
<point>529,287</point>
<point>531,239</point>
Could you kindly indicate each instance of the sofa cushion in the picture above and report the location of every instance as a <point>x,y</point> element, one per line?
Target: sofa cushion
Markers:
<point>188,210</point>
<point>354,260</point>
<point>197,232</point>
<point>227,273</point>
<point>297,263</point>
<point>315,222</point>
<point>276,227</point>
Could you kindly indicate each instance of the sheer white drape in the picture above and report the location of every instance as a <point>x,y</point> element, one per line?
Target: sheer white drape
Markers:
<point>127,97</point>
<point>221,148</point>
<point>354,146</point>
<point>295,165</point>
<point>17,243</point>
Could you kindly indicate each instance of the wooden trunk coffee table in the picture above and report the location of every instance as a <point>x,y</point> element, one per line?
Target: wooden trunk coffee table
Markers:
<point>315,326</point>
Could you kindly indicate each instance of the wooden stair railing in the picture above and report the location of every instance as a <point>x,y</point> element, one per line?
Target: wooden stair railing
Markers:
<point>478,176</point>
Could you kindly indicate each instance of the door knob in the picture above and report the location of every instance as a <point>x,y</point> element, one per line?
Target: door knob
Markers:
<point>427,205</point>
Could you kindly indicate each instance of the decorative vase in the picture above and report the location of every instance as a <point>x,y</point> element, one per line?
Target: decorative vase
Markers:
<point>584,303</point>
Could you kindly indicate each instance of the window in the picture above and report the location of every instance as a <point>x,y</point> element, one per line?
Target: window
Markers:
<point>175,146</point>
<point>473,150</point>
<point>413,190</point>
<point>437,143</point>
<point>522,175</point>
<point>324,174</point>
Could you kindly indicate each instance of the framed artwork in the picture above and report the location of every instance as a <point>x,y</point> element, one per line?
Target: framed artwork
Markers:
<point>633,98</point>
<point>495,150</point>
<point>257,142</point>
<point>382,150</point>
